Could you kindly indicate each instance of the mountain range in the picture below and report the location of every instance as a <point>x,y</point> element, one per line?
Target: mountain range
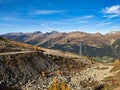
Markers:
<point>96,44</point>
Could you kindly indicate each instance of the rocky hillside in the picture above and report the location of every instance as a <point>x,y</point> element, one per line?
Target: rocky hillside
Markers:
<point>93,44</point>
<point>21,64</point>
<point>7,45</point>
<point>18,69</point>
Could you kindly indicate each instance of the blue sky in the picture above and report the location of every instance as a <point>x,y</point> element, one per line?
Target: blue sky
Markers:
<point>59,15</point>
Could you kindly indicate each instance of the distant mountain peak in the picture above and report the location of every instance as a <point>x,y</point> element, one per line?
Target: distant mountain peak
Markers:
<point>113,32</point>
<point>52,32</point>
<point>16,33</point>
<point>37,32</point>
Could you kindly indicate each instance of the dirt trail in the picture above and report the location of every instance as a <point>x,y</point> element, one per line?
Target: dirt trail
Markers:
<point>9,53</point>
<point>117,88</point>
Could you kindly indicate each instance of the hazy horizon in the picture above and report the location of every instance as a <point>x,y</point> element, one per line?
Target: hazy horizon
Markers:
<point>59,32</point>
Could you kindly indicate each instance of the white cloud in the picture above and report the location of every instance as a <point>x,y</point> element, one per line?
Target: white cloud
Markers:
<point>87,16</point>
<point>74,21</point>
<point>111,12</point>
<point>40,12</point>
<point>111,16</point>
<point>104,23</point>
<point>81,19</point>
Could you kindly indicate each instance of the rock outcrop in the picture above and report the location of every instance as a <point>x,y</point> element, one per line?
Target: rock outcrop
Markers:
<point>18,69</point>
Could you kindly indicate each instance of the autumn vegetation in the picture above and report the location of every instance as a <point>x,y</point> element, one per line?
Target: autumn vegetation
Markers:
<point>58,85</point>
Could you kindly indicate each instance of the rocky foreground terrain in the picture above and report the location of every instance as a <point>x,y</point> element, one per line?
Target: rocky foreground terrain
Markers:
<point>27,67</point>
<point>88,79</point>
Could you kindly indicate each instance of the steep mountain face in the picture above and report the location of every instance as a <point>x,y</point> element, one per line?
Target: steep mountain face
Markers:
<point>113,36</point>
<point>93,44</point>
